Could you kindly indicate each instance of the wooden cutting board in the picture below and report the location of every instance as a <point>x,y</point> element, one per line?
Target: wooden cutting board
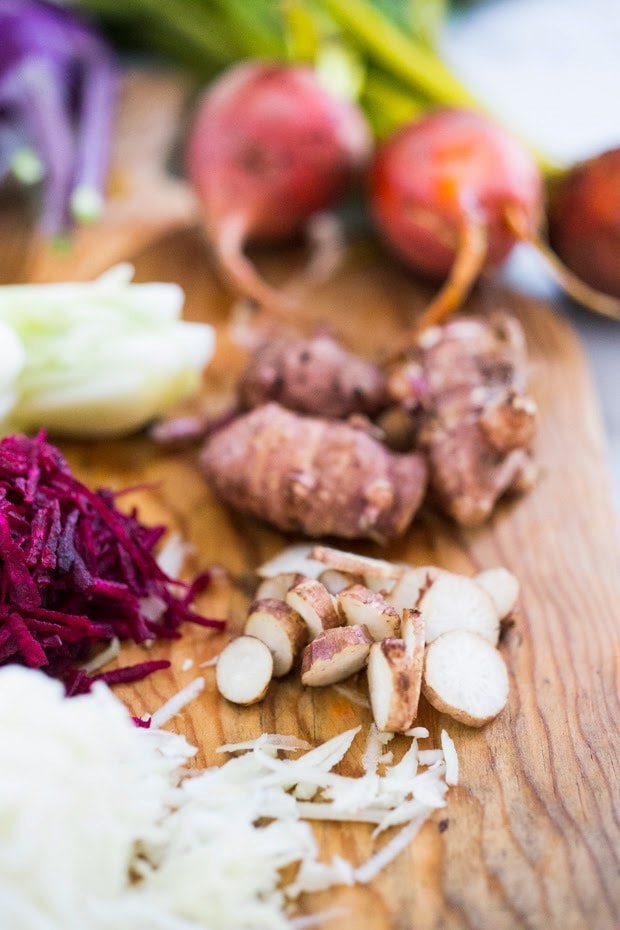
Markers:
<point>531,836</point>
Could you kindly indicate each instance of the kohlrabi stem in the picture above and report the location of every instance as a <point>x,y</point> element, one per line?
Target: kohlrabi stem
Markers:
<point>33,88</point>
<point>95,130</point>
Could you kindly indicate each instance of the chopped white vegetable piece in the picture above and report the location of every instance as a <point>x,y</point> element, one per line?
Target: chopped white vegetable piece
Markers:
<point>454,602</point>
<point>244,670</point>
<point>502,587</point>
<point>465,677</point>
<point>177,702</point>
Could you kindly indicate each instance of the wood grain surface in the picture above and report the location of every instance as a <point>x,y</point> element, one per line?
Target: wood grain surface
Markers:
<point>533,829</point>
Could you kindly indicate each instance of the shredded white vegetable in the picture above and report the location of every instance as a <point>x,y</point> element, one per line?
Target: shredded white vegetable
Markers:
<point>177,702</point>
<point>131,841</point>
<point>102,658</point>
<point>452,760</point>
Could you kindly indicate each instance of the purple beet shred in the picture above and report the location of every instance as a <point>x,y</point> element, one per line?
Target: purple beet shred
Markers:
<point>74,571</point>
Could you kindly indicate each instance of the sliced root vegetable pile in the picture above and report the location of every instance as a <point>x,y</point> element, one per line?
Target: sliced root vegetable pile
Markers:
<point>434,632</point>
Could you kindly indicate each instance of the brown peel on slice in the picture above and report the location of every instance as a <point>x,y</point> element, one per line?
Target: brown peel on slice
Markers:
<point>393,686</point>
<point>358,605</point>
<point>335,655</point>
<point>355,564</point>
<point>315,605</point>
<point>281,629</point>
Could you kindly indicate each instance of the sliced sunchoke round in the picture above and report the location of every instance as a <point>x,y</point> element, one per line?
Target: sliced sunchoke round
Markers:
<point>408,589</point>
<point>454,602</point>
<point>335,655</point>
<point>281,629</point>
<point>315,476</point>
<point>502,587</point>
<point>313,602</point>
<point>358,605</point>
<point>465,677</point>
<point>244,670</point>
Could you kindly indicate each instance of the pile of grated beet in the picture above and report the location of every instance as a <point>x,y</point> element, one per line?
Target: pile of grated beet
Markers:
<point>75,572</point>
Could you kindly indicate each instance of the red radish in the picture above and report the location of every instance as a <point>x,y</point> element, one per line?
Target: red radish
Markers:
<point>268,149</point>
<point>441,192</point>
<point>584,221</point>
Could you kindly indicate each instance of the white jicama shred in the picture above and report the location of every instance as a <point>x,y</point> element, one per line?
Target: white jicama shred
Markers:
<point>177,702</point>
<point>136,839</point>
<point>172,555</point>
<point>102,658</point>
<point>451,758</point>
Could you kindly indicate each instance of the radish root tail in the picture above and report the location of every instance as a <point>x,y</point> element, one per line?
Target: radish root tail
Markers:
<point>327,249</point>
<point>229,241</point>
<point>470,257</point>
<point>589,297</point>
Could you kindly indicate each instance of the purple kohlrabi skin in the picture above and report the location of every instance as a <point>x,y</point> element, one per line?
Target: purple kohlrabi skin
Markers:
<point>57,94</point>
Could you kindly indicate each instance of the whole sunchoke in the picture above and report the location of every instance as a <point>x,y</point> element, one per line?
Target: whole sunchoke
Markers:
<point>465,387</point>
<point>314,476</point>
<point>316,376</point>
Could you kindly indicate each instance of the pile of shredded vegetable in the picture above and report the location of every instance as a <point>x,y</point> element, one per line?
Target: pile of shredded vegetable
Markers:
<point>75,572</point>
<point>130,842</point>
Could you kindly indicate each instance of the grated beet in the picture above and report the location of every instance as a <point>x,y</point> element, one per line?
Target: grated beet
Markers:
<point>75,572</point>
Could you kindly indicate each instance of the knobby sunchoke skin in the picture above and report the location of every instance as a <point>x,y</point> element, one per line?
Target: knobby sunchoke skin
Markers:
<point>316,376</point>
<point>314,476</point>
<point>466,388</point>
